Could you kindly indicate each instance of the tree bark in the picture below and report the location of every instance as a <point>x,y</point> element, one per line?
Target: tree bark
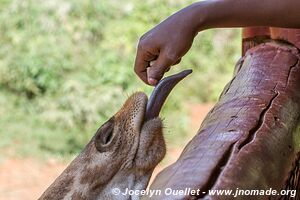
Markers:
<point>249,139</point>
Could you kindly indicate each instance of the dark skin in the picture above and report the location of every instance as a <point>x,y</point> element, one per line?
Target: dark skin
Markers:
<point>165,44</point>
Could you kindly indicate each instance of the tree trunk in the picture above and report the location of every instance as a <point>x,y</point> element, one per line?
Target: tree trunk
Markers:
<point>248,140</point>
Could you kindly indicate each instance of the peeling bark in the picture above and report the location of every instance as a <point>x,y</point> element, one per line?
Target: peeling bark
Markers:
<point>247,141</point>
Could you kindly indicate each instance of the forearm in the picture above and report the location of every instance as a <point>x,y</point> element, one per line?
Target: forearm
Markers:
<point>243,13</point>
<point>169,41</point>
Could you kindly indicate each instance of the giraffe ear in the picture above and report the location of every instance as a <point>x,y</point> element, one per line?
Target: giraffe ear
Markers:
<point>105,136</point>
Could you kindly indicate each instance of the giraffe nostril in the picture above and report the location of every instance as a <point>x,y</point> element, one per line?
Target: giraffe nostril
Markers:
<point>104,136</point>
<point>107,137</point>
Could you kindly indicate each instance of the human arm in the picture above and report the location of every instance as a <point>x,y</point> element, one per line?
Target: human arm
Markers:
<point>166,43</point>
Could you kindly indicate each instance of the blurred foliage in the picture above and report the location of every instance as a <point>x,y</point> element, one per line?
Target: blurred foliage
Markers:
<point>67,66</point>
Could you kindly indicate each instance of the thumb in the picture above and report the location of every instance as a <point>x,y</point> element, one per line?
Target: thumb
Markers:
<point>157,68</point>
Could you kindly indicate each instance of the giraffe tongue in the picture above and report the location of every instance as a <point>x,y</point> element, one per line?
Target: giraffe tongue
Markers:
<point>161,92</point>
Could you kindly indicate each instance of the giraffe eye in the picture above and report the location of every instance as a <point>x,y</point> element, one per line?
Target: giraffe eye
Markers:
<point>104,136</point>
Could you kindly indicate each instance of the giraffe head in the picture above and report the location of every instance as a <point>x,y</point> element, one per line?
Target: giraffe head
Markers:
<point>122,154</point>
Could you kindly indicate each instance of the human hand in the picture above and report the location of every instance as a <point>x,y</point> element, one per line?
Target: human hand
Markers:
<point>164,46</point>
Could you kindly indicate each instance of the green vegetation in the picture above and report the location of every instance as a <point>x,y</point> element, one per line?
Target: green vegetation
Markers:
<point>67,66</point>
